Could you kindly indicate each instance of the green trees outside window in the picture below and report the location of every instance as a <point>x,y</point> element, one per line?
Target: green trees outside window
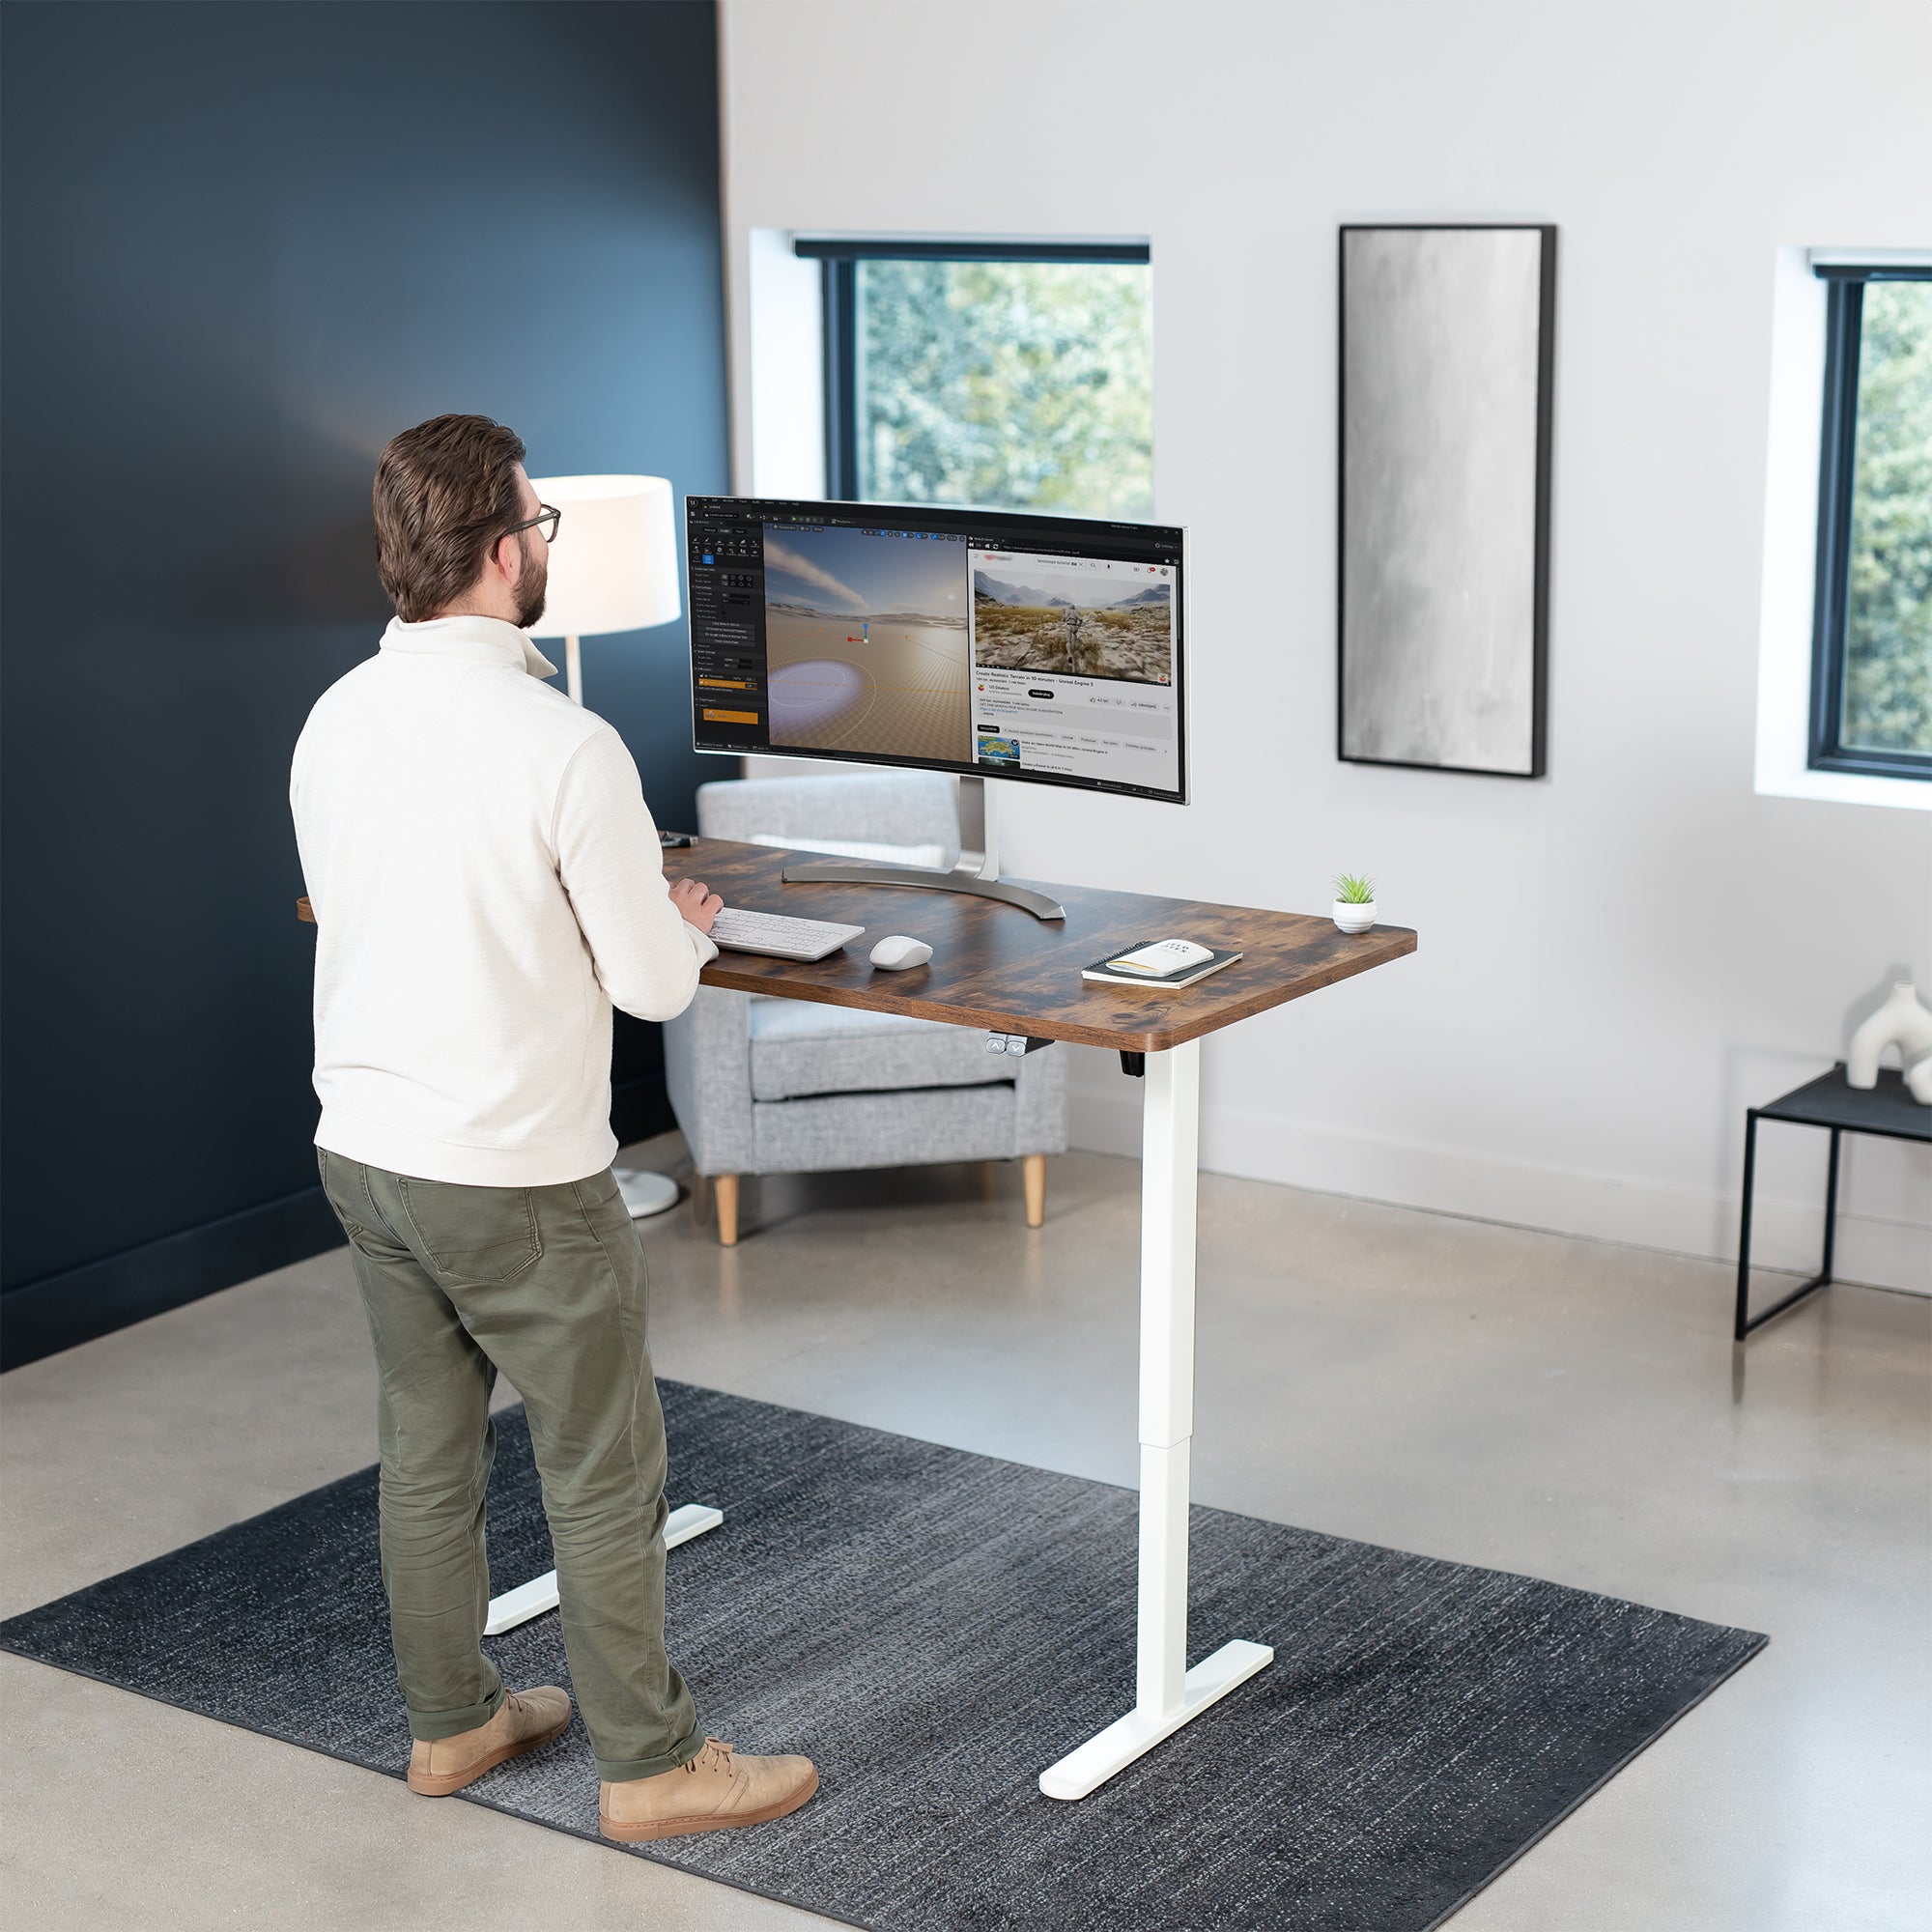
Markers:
<point>1887,702</point>
<point>1024,386</point>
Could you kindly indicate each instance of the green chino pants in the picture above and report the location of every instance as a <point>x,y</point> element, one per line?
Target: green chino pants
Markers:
<point>546,1284</point>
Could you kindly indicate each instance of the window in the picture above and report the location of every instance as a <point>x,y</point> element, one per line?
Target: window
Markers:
<point>1006,375</point>
<point>1871,667</point>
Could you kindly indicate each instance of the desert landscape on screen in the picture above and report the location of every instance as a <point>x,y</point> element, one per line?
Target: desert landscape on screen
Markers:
<point>1078,625</point>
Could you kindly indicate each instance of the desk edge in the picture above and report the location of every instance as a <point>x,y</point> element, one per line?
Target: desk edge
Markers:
<point>1177,1030</point>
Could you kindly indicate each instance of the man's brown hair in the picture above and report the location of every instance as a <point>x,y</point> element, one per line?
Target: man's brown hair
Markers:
<point>445,491</point>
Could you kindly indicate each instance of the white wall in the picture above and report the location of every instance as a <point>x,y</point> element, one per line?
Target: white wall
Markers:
<point>1615,960</point>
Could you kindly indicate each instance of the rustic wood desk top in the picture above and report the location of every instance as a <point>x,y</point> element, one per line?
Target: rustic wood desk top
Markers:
<point>996,966</point>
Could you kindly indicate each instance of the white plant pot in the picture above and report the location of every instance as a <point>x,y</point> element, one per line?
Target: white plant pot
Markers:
<point>1355,918</point>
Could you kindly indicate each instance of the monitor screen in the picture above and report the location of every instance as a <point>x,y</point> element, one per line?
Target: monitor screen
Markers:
<point>991,641</point>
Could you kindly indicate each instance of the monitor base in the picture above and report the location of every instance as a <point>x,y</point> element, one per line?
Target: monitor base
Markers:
<point>850,872</point>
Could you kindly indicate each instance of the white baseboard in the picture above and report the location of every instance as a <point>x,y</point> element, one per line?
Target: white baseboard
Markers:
<point>1645,1213</point>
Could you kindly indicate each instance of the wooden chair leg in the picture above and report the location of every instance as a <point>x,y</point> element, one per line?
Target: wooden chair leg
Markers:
<point>1034,1166</point>
<point>700,1198</point>
<point>725,1192</point>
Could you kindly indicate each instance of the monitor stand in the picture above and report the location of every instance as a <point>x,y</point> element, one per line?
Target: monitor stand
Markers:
<point>976,873</point>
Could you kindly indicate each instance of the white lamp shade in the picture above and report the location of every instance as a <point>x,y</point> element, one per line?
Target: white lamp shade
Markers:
<point>614,566</point>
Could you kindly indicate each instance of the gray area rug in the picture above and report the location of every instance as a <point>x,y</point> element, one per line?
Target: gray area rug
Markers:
<point>935,1628</point>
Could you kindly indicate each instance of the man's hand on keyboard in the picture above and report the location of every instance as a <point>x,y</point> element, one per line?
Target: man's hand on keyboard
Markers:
<point>697,904</point>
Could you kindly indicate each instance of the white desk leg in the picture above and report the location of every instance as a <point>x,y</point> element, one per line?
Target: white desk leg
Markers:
<point>532,1599</point>
<point>1166,1692</point>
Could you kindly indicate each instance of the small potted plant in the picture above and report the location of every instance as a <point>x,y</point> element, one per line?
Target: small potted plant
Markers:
<point>1355,902</point>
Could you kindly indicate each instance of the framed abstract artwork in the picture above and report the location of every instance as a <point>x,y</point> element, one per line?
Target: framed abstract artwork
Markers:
<point>1447,339</point>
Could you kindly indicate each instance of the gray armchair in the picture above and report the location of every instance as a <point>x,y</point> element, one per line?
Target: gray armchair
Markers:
<point>768,1086</point>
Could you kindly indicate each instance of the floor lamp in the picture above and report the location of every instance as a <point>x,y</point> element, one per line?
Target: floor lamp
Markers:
<point>613,567</point>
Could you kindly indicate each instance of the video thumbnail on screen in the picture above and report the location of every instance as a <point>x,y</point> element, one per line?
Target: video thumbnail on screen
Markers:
<point>1079,624</point>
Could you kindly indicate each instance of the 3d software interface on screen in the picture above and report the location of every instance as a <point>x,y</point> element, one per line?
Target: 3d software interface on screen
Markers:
<point>1043,649</point>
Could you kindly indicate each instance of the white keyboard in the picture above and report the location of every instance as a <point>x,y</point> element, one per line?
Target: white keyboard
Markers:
<point>769,932</point>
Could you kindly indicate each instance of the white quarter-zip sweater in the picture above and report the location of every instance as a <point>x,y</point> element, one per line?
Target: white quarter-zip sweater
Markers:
<point>487,884</point>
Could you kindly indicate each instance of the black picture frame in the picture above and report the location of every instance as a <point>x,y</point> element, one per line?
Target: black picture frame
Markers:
<point>1534,762</point>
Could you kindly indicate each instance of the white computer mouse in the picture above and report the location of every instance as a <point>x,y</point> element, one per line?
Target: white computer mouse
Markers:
<point>895,953</point>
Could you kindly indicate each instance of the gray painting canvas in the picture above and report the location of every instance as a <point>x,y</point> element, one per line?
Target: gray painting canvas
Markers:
<point>1444,493</point>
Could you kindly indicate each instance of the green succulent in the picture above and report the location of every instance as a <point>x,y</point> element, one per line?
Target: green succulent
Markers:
<point>1354,889</point>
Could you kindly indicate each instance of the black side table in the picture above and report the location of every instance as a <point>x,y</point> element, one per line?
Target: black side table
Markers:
<point>1827,1101</point>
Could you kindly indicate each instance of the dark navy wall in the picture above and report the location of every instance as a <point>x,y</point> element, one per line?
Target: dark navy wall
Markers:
<point>244,246</point>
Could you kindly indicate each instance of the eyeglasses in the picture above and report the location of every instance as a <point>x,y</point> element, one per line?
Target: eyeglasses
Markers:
<point>546,518</point>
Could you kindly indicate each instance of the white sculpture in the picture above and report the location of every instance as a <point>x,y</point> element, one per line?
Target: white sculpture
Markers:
<point>1901,1022</point>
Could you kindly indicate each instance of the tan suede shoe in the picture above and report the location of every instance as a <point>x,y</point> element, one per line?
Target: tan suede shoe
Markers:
<point>523,1721</point>
<point>715,1791</point>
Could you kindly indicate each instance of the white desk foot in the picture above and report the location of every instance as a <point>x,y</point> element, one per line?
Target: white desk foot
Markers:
<point>532,1599</point>
<point>690,1519</point>
<point>1096,1761</point>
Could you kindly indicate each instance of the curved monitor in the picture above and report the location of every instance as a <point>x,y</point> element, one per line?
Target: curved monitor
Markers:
<point>984,641</point>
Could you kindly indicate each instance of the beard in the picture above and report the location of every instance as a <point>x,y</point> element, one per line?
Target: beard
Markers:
<point>534,582</point>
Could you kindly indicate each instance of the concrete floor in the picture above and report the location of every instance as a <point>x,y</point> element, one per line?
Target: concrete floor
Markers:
<point>1565,1408</point>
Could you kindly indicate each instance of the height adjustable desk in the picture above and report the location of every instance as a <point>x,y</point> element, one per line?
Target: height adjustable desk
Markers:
<point>997,967</point>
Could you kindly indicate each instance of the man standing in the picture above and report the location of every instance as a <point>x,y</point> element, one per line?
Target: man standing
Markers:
<point>487,884</point>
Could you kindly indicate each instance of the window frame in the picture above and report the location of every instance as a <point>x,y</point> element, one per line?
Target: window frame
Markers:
<point>840,260</point>
<point>1837,480</point>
